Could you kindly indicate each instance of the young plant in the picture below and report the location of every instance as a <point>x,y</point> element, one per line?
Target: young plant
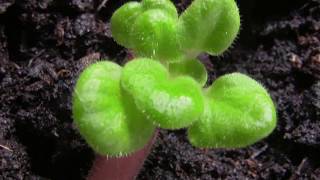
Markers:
<point>117,109</point>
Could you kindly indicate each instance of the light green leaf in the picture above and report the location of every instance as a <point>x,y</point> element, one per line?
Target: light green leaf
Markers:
<point>208,26</point>
<point>190,67</point>
<point>149,28</point>
<point>154,36</point>
<point>121,23</point>
<point>238,113</point>
<point>170,103</point>
<point>106,117</point>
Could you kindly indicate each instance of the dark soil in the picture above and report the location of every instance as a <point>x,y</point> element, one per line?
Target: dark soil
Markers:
<point>45,44</point>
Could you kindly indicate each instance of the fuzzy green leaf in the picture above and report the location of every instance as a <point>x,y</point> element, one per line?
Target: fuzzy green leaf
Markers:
<point>149,28</point>
<point>154,36</point>
<point>164,5</point>
<point>106,117</point>
<point>121,23</point>
<point>238,112</point>
<point>169,103</point>
<point>208,26</point>
<point>191,67</point>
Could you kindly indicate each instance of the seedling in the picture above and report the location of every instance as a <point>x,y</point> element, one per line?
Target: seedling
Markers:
<point>117,109</point>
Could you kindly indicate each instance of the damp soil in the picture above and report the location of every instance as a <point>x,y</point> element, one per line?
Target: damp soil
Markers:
<point>44,45</point>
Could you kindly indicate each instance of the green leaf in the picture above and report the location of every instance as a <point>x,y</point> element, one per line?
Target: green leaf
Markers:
<point>107,117</point>
<point>208,26</point>
<point>121,23</point>
<point>149,28</point>
<point>169,103</point>
<point>238,112</point>
<point>154,36</point>
<point>164,5</point>
<point>190,67</point>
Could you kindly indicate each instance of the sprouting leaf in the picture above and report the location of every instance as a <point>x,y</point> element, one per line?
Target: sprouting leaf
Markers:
<point>171,103</point>
<point>238,112</point>
<point>190,67</point>
<point>164,5</point>
<point>106,117</point>
<point>208,26</point>
<point>155,36</point>
<point>121,23</point>
<point>149,28</point>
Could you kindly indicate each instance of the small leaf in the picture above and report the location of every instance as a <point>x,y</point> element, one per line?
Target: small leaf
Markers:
<point>107,117</point>
<point>238,113</point>
<point>208,26</point>
<point>164,5</point>
<point>149,28</point>
<point>121,23</point>
<point>154,36</point>
<point>169,103</point>
<point>193,68</point>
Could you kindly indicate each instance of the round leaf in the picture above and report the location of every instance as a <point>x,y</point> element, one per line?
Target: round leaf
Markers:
<point>164,5</point>
<point>208,26</point>
<point>155,36</point>
<point>193,68</point>
<point>238,112</point>
<point>106,117</point>
<point>149,28</point>
<point>169,103</point>
<point>121,23</point>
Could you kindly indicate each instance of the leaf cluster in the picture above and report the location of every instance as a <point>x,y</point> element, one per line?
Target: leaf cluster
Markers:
<point>118,108</point>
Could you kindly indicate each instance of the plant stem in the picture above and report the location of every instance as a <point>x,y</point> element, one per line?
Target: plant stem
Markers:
<point>124,168</point>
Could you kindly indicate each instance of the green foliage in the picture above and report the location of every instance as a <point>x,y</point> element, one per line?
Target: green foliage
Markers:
<point>190,67</point>
<point>117,109</point>
<point>162,99</point>
<point>122,21</point>
<point>149,28</point>
<point>105,115</point>
<point>153,29</point>
<point>239,112</point>
<point>208,26</point>
<point>154,36</point>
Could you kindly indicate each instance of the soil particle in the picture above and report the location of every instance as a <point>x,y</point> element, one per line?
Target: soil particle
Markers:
<point>4,4</point>
<point>14,160</point>
<point>3,48</point>
<point>83,35</point>
<point>83,5</point>
<point>174,158</point>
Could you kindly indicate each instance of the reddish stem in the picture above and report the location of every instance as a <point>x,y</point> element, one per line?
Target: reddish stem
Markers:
<point>124,168</point>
